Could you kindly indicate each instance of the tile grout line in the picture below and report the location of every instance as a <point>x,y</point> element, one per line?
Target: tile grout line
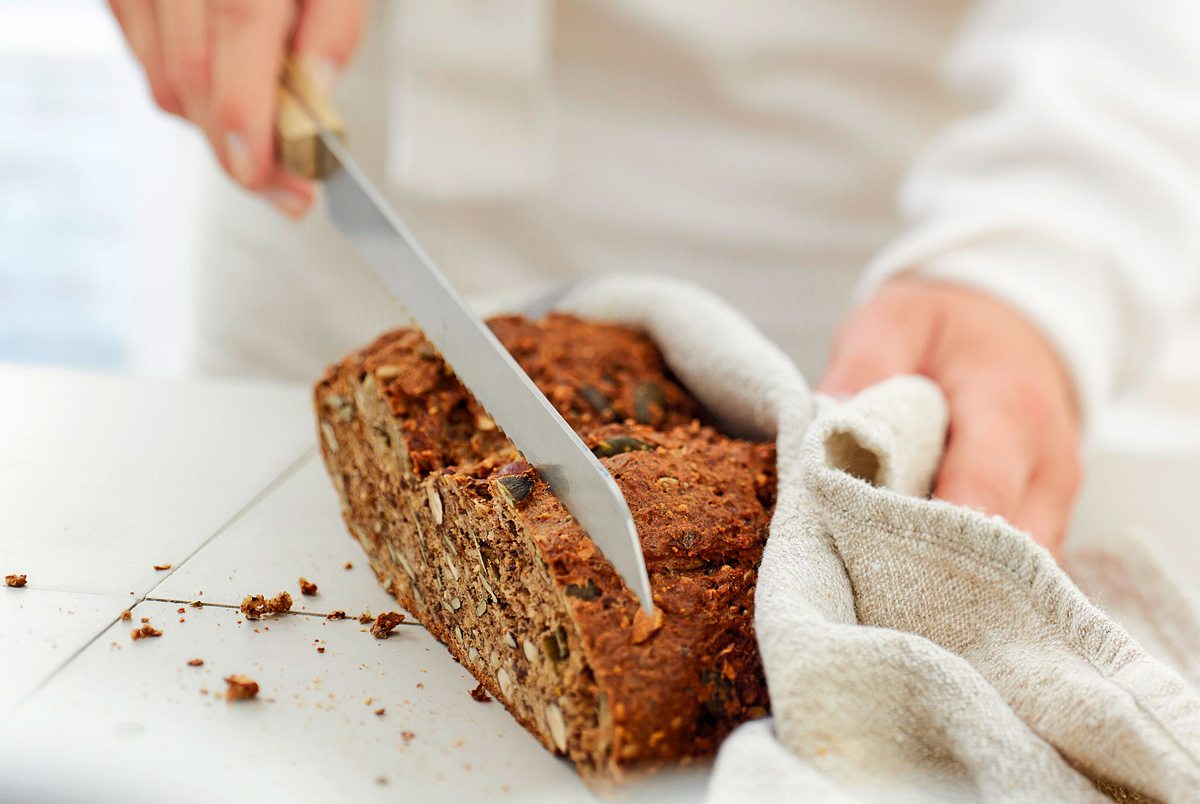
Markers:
<point>265,617</point>
<point>291,469</point>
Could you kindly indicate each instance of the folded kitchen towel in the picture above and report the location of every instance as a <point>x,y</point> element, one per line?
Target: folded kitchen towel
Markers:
<point>912,648</point>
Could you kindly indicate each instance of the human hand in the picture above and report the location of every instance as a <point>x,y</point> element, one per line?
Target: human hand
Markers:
<point>1014,443</point>
<point>217,63</point>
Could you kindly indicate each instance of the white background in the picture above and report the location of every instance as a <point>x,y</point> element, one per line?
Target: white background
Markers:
<point>94,197</point>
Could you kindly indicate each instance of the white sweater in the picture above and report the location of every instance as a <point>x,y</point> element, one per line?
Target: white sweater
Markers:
<point>1047,151</point>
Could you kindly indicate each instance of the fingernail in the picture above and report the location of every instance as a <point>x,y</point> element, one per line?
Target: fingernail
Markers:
<point>239,157</point>
<point>287,202</point>
<point>323,73</point>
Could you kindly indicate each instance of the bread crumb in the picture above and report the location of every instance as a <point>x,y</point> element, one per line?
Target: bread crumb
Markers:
<point>145,619</point>
<point>646,625</point>
<point>307,587</point>
<point>336,615</point>
<point>240,688</point>
<point>380,711</point>
<point>15,581</point>
<point>407,736</point>
<point>195,662</point>
<point>349,565</point>
<point>366,616</point>
<point>126,616</point>
<point>320,650</point>
<point>384,624</point>
<point>145,632</point>
<point>162,567</point>
<point>256,606</point>
<point>480,694</point>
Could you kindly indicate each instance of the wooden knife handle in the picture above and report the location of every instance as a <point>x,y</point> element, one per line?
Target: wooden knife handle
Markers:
<point>303,111</point>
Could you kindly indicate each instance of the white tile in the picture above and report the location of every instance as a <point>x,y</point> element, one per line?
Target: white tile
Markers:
<point>294,531</point>
<point>41,630</point>
<point>103,477</point>
<point>311,735</point>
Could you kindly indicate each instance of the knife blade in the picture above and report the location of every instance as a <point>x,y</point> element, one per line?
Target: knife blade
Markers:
<point>361,213</point>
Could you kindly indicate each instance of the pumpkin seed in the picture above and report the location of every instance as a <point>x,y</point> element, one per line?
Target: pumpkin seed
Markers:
<point>514,488</point>
<point>596,399</point>
<point>647,397</point>
<point>618,445</point>
<point>586,592</point>
<point>550,645</point>
<point>560,637</point>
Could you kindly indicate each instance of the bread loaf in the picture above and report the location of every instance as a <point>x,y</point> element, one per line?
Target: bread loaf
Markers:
<point>472,542</point>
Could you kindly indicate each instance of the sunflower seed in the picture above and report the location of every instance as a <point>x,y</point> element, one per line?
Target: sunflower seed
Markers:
<point>558,726</point>
<point>503,680</point>
<point>330,438</point>
<point>435,504</point>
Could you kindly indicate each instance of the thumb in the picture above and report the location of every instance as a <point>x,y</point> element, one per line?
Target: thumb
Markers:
<point>327,34</point>
<point>878,340</point>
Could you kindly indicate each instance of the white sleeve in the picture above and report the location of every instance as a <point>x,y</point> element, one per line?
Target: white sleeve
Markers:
<point>1070,187</point>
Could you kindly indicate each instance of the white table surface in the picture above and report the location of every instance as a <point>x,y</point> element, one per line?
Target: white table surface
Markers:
<point>101,478</point>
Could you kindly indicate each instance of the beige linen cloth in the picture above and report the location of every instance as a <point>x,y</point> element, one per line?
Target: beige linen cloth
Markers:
<point>913,649</point>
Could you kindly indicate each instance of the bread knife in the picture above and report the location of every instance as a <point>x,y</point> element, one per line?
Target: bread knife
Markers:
<point>309,134</point>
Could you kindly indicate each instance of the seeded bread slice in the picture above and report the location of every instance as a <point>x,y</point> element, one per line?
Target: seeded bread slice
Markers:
<point>472,542</point>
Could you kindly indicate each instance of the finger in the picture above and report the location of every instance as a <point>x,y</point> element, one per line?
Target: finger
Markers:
<point>139,22</point>
<point>290,194</point>
<point>989,458</point>
<point>249,37</point>
<point>327,36</point>
<point>875,343</point>
<point>1046,511</point>
<point>183,31</point>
